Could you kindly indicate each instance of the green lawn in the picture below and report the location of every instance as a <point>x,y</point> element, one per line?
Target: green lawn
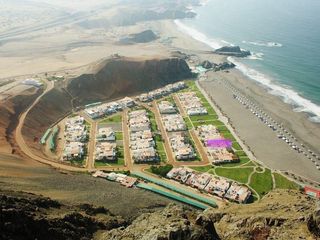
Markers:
<point>203,118</point>
<point>153,122</point>
<point>203,168</point>
<point>238,174</point>
<point>112,119</point>
<point>241,153</point>
<point>228,136</point>
<point>262,182</point>
<point>284,183</point>
<point>236,146</point>
<point>188,122</point>
<point>222,128</point>
<point>119,135</point>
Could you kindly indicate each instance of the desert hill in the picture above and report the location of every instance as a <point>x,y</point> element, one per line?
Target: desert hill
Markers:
<point>10,109</point>
<point>120,77</point>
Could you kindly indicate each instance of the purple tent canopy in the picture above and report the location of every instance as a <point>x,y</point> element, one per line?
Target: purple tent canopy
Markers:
<point>219,143</point>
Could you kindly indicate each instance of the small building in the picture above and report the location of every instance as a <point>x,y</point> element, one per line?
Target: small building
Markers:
<point>105,151</point>
<point>166,107</point>
<point>106,134</point>
<point>73,150</point>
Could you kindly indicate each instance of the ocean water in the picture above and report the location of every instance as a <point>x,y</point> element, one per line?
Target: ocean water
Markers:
<point>284,37</point>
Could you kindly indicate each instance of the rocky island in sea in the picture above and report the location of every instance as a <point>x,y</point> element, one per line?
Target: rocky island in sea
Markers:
<point>234,51</point>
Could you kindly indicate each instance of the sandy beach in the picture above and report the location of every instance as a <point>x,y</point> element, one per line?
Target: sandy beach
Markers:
<point>261,140</point>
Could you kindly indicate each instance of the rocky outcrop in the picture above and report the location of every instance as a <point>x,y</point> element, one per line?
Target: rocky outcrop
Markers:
<point>282,214</point>
<point>217,67</point>
<point>314,221</point>
<point>223,66</point>
<point>142,37</point>
<point>207,64</point>
<point>27,216</point>
<point>173,223</point>
<point>234,51</point>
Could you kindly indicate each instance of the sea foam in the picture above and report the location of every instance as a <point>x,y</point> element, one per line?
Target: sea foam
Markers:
<point>264,44</point>
<point>288,95</point>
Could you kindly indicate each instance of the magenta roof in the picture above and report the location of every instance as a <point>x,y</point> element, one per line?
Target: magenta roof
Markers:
<point>219,143</point>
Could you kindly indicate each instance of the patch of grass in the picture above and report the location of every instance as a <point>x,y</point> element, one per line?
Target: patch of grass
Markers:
<point>238,174</point>
<point>203,118</point>
<point>161,170</point>
<point>112,119</point>
<point>119,135</point>
<point>188,122</point>
<point>262,182</point>
<point>284,183</point>
<point>222,128</point>
<point>203,168</point>
<point>229,136</point>
<point>236,146</point>
<point>241,153</point>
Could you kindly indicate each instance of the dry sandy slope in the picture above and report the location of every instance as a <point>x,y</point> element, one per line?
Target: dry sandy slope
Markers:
<point>26,175</point>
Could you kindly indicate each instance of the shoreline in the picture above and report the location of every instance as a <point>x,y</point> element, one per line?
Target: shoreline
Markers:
<point>282,157</point>
<point>288,95</point>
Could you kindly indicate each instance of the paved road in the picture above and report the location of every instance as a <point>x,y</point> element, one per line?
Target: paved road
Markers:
<point>92,145</point>
<point>199,146</point>
<point>126,140</point>
<point>168,149</point>
<point>25,148</point>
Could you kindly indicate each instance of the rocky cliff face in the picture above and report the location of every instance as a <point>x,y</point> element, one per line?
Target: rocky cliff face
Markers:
<point>173,223</point>
<point>27,216</point>
<point>121,77</point>
<point>280,215</point>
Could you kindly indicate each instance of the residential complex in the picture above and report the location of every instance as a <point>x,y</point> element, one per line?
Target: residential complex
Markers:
<point>142,144</point>
<point>192,104</point>
<point>104,109</point>
<point>213,185</point>
<point>164,91</point>
<point>181,146</point>
<point>75,135</point>
<point>166,107</point>
<point>106,145</point>
<point>216,154</point>
<point>123,179</point>
<point>173,122</point>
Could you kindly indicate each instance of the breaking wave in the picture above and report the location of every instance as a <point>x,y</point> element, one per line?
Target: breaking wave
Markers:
<point>262,44</point>
<point>288,95</point>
